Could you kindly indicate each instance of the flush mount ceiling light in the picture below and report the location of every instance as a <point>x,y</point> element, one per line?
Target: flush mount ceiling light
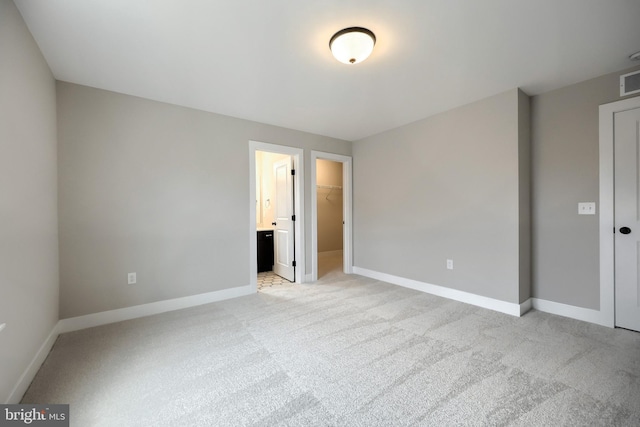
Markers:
<point>352,45</point>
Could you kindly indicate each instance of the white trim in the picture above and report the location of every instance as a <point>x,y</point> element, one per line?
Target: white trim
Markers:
<point>607,222</point>
<point>526,306</point>
<point>143,310</point>
<point>29,374</point>
<point>297,155</point>
<point>454,294</point>
<point>571,311</point>
<point>347,203</point>
<point>112,316</point>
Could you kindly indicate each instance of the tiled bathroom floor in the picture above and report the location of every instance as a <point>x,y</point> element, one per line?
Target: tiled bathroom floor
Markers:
<point>269,279</point>
<point>329,265</point>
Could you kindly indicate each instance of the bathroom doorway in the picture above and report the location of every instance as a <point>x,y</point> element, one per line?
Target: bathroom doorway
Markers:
<point>276,195</point>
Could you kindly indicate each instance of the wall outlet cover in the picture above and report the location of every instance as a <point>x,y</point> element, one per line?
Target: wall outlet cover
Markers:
<point>131,278</point>
<point>449,264</point>
<point>586,208</point>
<point>2,326</point>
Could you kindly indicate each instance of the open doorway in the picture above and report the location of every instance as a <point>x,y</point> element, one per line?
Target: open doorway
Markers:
<point>276,195</point>
<point>274,219</point>
<point>330,214</point>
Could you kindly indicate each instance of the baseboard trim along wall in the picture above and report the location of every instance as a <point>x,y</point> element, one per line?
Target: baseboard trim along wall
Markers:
<point>118,315</point>
<point>571,311</point>
<point>526,306</point>
<point>454,294</point>
<point>27,376</point>
<point>112,316</point>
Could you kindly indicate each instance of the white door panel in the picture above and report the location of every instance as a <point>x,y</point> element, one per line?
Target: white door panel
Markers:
<point>284,234</point>
<point>627,214</point>
<point>283,250</point>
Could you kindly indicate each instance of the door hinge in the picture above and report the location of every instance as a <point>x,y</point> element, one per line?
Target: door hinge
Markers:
<point>293,217</point>
<point>293,171</point>
<point>293,263</point>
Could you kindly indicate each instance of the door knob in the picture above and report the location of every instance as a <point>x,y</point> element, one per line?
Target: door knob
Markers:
<point>273,223</point>
<point>625,230</point>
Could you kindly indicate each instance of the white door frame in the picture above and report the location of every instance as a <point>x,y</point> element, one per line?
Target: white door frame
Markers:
<point>607,223</point>
<point>347,203</point>
<point>297,155</point>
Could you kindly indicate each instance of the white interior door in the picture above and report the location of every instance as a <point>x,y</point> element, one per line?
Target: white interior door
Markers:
<point>283,234</point>
<point>627,218</point>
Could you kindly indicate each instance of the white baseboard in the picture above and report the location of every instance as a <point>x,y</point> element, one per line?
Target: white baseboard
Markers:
<point>118,315</point>
<point>571,311</point>
<point>27,376</point>
<point>454,294</point>
<point>526,306</point>
<point>308,278</point>
<point>112,316</point>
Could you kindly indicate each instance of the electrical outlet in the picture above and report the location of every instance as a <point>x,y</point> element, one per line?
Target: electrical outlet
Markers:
<point>2,326</point>
<point>449,264</point>
<point>131,278</point>
<point>586,208</point>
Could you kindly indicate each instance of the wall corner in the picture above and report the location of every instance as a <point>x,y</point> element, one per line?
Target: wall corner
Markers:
<point>524,196</point>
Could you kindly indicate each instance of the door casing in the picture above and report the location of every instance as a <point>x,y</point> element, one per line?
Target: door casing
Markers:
<point>626,213</point>
<point>607,113</point>
<point>347,203</point>
<point>297,155</point>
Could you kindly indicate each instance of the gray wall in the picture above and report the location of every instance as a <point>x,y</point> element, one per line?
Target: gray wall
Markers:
<point>159,190</point>
<point>565,246</point>
<point>445,187</point>
<point>28,210</point>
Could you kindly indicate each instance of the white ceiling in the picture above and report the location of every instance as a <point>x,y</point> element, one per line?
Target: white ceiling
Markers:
<point>269,61</point>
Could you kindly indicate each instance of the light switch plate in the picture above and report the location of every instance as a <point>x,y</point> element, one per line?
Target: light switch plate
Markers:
<point>587,208</point>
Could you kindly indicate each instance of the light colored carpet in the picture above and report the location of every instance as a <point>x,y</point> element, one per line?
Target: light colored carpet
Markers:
<point>347,351</point>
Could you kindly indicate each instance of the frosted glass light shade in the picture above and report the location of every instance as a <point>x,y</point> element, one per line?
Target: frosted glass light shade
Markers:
<point>352,45</point>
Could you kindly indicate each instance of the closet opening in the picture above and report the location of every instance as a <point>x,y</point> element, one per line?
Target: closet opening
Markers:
<point>331,215</point>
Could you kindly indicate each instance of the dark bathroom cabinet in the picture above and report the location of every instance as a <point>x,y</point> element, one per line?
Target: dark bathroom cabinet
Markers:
<point>265,250</point>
